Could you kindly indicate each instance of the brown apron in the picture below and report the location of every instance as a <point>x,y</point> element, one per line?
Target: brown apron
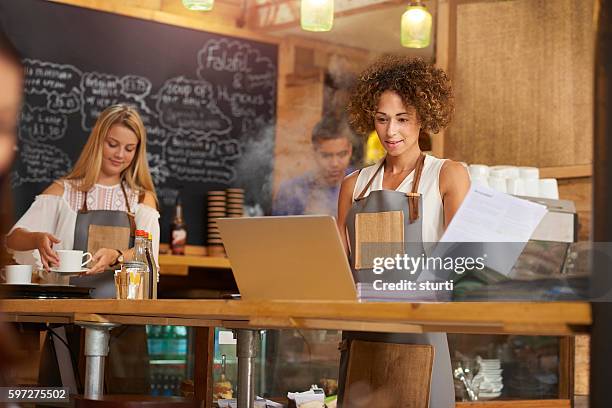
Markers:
<point>391,222</point>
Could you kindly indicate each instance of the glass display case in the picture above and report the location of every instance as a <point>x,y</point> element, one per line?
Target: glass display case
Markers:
<point>510,367</point>
<point>169,358</point>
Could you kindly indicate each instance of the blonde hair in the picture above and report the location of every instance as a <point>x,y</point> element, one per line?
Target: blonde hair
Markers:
<point>87,168</point>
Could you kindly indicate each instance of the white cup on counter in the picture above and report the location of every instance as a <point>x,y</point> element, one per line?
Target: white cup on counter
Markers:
<point>498,183</point>
<point>515,186</point>
<point>498,172</point>
<point>17,274</point>
<point>72,260</point>
<point>481,181</point>
<point>478,171</point>
<point>549,189</point>
<point>529,173</point>
<point>532,187</point>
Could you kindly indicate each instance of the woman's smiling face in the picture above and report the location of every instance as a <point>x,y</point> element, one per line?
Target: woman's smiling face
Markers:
<point>119,150</point>
<point>397,125</point>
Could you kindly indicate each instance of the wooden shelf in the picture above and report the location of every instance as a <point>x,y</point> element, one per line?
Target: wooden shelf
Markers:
<point>194,261</point>
<point>178,265</point>
<point>565,172</point>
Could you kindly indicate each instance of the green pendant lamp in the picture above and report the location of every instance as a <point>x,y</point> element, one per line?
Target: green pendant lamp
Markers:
<point>317,15</point>
<point>199,5</point>
<point>416,26</point>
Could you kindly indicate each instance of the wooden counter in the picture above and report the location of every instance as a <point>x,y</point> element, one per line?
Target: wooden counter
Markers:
<point>544,318</point>
<point>532,318</point>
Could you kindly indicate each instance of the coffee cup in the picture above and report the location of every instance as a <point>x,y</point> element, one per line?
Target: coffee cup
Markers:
<point>71,260</point>
<point>18,274</point>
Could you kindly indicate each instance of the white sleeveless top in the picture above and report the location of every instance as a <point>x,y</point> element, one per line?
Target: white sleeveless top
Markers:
<point>99,197</point>
<point>57,215</point>
<point>429,188</point>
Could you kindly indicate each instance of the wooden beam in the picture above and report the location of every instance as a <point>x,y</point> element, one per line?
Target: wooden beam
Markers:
<point>566,367</point>
<point>143,320</point>
<point>441,41</point>
<point>24,318</point>
<point>171,19</point>
<point>284,14</point>
<point>565,172</point>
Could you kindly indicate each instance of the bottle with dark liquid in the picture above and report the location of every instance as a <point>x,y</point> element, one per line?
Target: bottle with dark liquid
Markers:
<point>178,230</point>
<point>154,274</point>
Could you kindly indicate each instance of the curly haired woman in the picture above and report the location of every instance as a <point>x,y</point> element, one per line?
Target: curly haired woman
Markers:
<point>407,191</point>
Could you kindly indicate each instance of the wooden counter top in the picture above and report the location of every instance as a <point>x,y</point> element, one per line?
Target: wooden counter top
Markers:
<point>546,318</point>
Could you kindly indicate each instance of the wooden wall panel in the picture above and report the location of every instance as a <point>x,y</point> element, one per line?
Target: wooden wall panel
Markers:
<point>522,72</point>
<point>581,365</point>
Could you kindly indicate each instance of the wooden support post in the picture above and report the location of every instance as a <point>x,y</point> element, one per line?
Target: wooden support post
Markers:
<point>203,373</point>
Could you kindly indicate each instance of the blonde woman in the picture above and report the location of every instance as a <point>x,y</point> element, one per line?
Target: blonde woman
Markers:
<point>99,204</point>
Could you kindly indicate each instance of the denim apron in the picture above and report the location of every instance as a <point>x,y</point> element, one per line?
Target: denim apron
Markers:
<point>95,229</point>
<point>127,361</point>
<point>388,207</point>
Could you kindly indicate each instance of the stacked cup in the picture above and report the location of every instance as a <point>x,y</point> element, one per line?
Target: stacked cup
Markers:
<point>216,209</point>
<point>497,178</point>
<point>235,202</point>
<point>479,174</point>
<point>531,179</point>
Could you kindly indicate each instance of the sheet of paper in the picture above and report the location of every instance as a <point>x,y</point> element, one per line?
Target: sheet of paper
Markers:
<point>487,218</point>
<point>487,215</point>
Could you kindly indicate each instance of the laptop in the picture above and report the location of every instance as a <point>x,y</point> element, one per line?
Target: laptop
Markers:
<point>288,258</point>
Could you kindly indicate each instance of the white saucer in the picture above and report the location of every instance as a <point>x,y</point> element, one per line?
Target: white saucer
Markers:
<point>6,283</point>
<point>73,272</point>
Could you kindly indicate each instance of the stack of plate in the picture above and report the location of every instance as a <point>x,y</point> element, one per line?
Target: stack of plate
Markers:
<point>492,382</point>
<point>235,202</point>
<point>217,207</point>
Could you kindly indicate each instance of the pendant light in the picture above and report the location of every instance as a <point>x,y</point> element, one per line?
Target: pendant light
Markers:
<point>199,5</point>
<point>416,26</point>
<point>317,15</point>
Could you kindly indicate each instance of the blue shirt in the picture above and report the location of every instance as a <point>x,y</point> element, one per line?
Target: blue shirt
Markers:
<point>306,195</point>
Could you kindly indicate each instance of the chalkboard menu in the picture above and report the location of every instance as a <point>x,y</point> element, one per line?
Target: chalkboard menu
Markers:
<point>208,102</point>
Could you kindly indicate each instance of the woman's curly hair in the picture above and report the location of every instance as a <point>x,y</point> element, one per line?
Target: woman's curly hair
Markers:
<point>418,83</point>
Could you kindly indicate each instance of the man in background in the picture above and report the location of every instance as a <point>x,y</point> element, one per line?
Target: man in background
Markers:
<point>316,192</point>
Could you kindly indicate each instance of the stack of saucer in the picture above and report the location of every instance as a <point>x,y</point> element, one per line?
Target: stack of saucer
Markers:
<point>492,382</point>
<point>235,202</point>
<point>216,209</point>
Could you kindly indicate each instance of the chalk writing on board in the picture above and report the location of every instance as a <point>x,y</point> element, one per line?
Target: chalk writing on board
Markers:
<point>190,122</point>
<point>188,106</point>
<point>46,77</point>
<point>41,163</point>
<point>41,125</point>
<point>253,81</point>
<point>190,158</point>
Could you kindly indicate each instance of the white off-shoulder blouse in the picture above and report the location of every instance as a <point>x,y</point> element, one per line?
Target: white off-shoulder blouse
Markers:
<point>57,215</point>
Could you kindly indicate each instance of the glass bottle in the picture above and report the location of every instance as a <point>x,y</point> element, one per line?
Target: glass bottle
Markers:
<point>154,274</point>
<point>178,230</point>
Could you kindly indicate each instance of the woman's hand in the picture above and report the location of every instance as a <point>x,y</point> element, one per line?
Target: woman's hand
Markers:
<point>102,259</point>
<point>44,243</point>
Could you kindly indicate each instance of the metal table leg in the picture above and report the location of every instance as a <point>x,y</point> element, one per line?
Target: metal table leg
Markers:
<point>97,336</point>
<point>246,350</point>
